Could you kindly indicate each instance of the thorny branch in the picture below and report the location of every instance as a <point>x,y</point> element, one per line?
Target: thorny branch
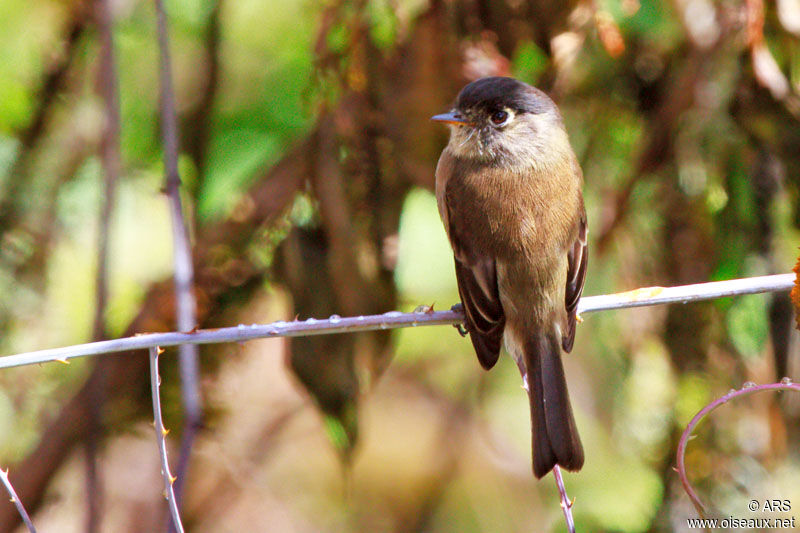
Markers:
<point>15,499</point>
<point>182,253</point>
<point>566,504</point>
<point>395,319</point>
<point>161,434</point>
<point>747,388</point>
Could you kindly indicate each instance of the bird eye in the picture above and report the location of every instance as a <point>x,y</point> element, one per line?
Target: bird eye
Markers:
<point>499,118</point>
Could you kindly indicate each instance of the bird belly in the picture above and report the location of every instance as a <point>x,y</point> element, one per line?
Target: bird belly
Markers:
<point>533,301</point>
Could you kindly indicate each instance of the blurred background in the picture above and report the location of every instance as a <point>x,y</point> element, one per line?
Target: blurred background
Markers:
<point>307,162</point>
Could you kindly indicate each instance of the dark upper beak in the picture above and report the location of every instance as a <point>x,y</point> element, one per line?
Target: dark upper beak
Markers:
<point>451,118</point>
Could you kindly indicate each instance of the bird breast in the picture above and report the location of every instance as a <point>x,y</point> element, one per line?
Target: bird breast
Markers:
<point>507,213</point>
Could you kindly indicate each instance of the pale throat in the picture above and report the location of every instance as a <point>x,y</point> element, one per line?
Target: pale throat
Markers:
<point>518,151</point>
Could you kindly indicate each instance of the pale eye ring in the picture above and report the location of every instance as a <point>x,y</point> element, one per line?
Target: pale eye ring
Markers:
<point>500,118</point>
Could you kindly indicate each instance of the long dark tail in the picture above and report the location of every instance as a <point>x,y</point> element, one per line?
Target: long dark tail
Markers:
<point>555,437</point>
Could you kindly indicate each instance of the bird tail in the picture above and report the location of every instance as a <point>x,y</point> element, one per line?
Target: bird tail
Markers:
<point>555,437</point>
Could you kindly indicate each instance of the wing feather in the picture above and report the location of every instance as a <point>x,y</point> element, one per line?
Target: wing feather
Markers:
<point>577,259</point>
<point>476,275</point>
<point>482,308</point>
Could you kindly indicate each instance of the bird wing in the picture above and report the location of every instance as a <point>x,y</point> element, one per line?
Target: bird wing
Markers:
<point>577,259</point>
<point>476,275</point>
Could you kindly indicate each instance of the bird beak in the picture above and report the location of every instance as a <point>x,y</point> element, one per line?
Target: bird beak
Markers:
<point>451,118</point>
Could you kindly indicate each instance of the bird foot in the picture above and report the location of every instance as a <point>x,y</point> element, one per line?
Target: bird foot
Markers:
<point>459,308</point>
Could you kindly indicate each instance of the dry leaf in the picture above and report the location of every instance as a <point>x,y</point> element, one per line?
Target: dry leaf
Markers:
<point>795,294</point>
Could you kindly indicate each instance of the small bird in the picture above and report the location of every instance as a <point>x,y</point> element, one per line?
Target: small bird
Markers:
<point>508,187</point>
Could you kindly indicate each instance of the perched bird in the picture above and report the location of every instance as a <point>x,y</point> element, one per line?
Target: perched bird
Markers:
<point>508,187</point>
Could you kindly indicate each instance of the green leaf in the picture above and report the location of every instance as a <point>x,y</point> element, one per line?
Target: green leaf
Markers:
<point>747,324</point>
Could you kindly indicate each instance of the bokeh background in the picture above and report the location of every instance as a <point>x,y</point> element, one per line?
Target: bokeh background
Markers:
<point>307,162</point>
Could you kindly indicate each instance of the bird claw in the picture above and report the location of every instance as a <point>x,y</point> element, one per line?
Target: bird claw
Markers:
<point>459,308</point>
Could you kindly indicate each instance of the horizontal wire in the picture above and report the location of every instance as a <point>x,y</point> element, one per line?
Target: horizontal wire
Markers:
<point>394,319</point>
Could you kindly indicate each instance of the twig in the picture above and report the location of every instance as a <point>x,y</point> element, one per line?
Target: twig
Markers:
<point>393,319</point>
<point>161,433</point>
<point>748,388</point>
<point>111,161</point>
<point>110,158</point>
<point>687,293</point>
<point>186,304</point>
<point>15,499</point>
<point>566,504</point>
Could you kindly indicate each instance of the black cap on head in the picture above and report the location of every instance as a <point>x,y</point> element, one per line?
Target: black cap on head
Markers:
<point>496,93</point>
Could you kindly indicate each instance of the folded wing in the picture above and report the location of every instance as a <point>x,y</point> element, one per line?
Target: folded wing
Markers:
<point>577,259</point>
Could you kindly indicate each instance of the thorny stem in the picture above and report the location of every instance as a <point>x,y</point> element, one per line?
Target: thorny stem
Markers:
<point>186,304</point>
<point>393,319</point>
<point>161,433</point>
<point>14,498</point>
<point>748,388</point>
<point>566,504</point>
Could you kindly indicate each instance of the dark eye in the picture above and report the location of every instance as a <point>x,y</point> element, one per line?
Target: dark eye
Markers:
<point>499,117</point>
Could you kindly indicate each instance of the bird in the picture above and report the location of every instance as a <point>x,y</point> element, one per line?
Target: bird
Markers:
<point>509,193</point>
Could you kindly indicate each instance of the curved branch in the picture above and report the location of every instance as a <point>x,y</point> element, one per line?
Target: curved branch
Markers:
<point>747,388</point>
